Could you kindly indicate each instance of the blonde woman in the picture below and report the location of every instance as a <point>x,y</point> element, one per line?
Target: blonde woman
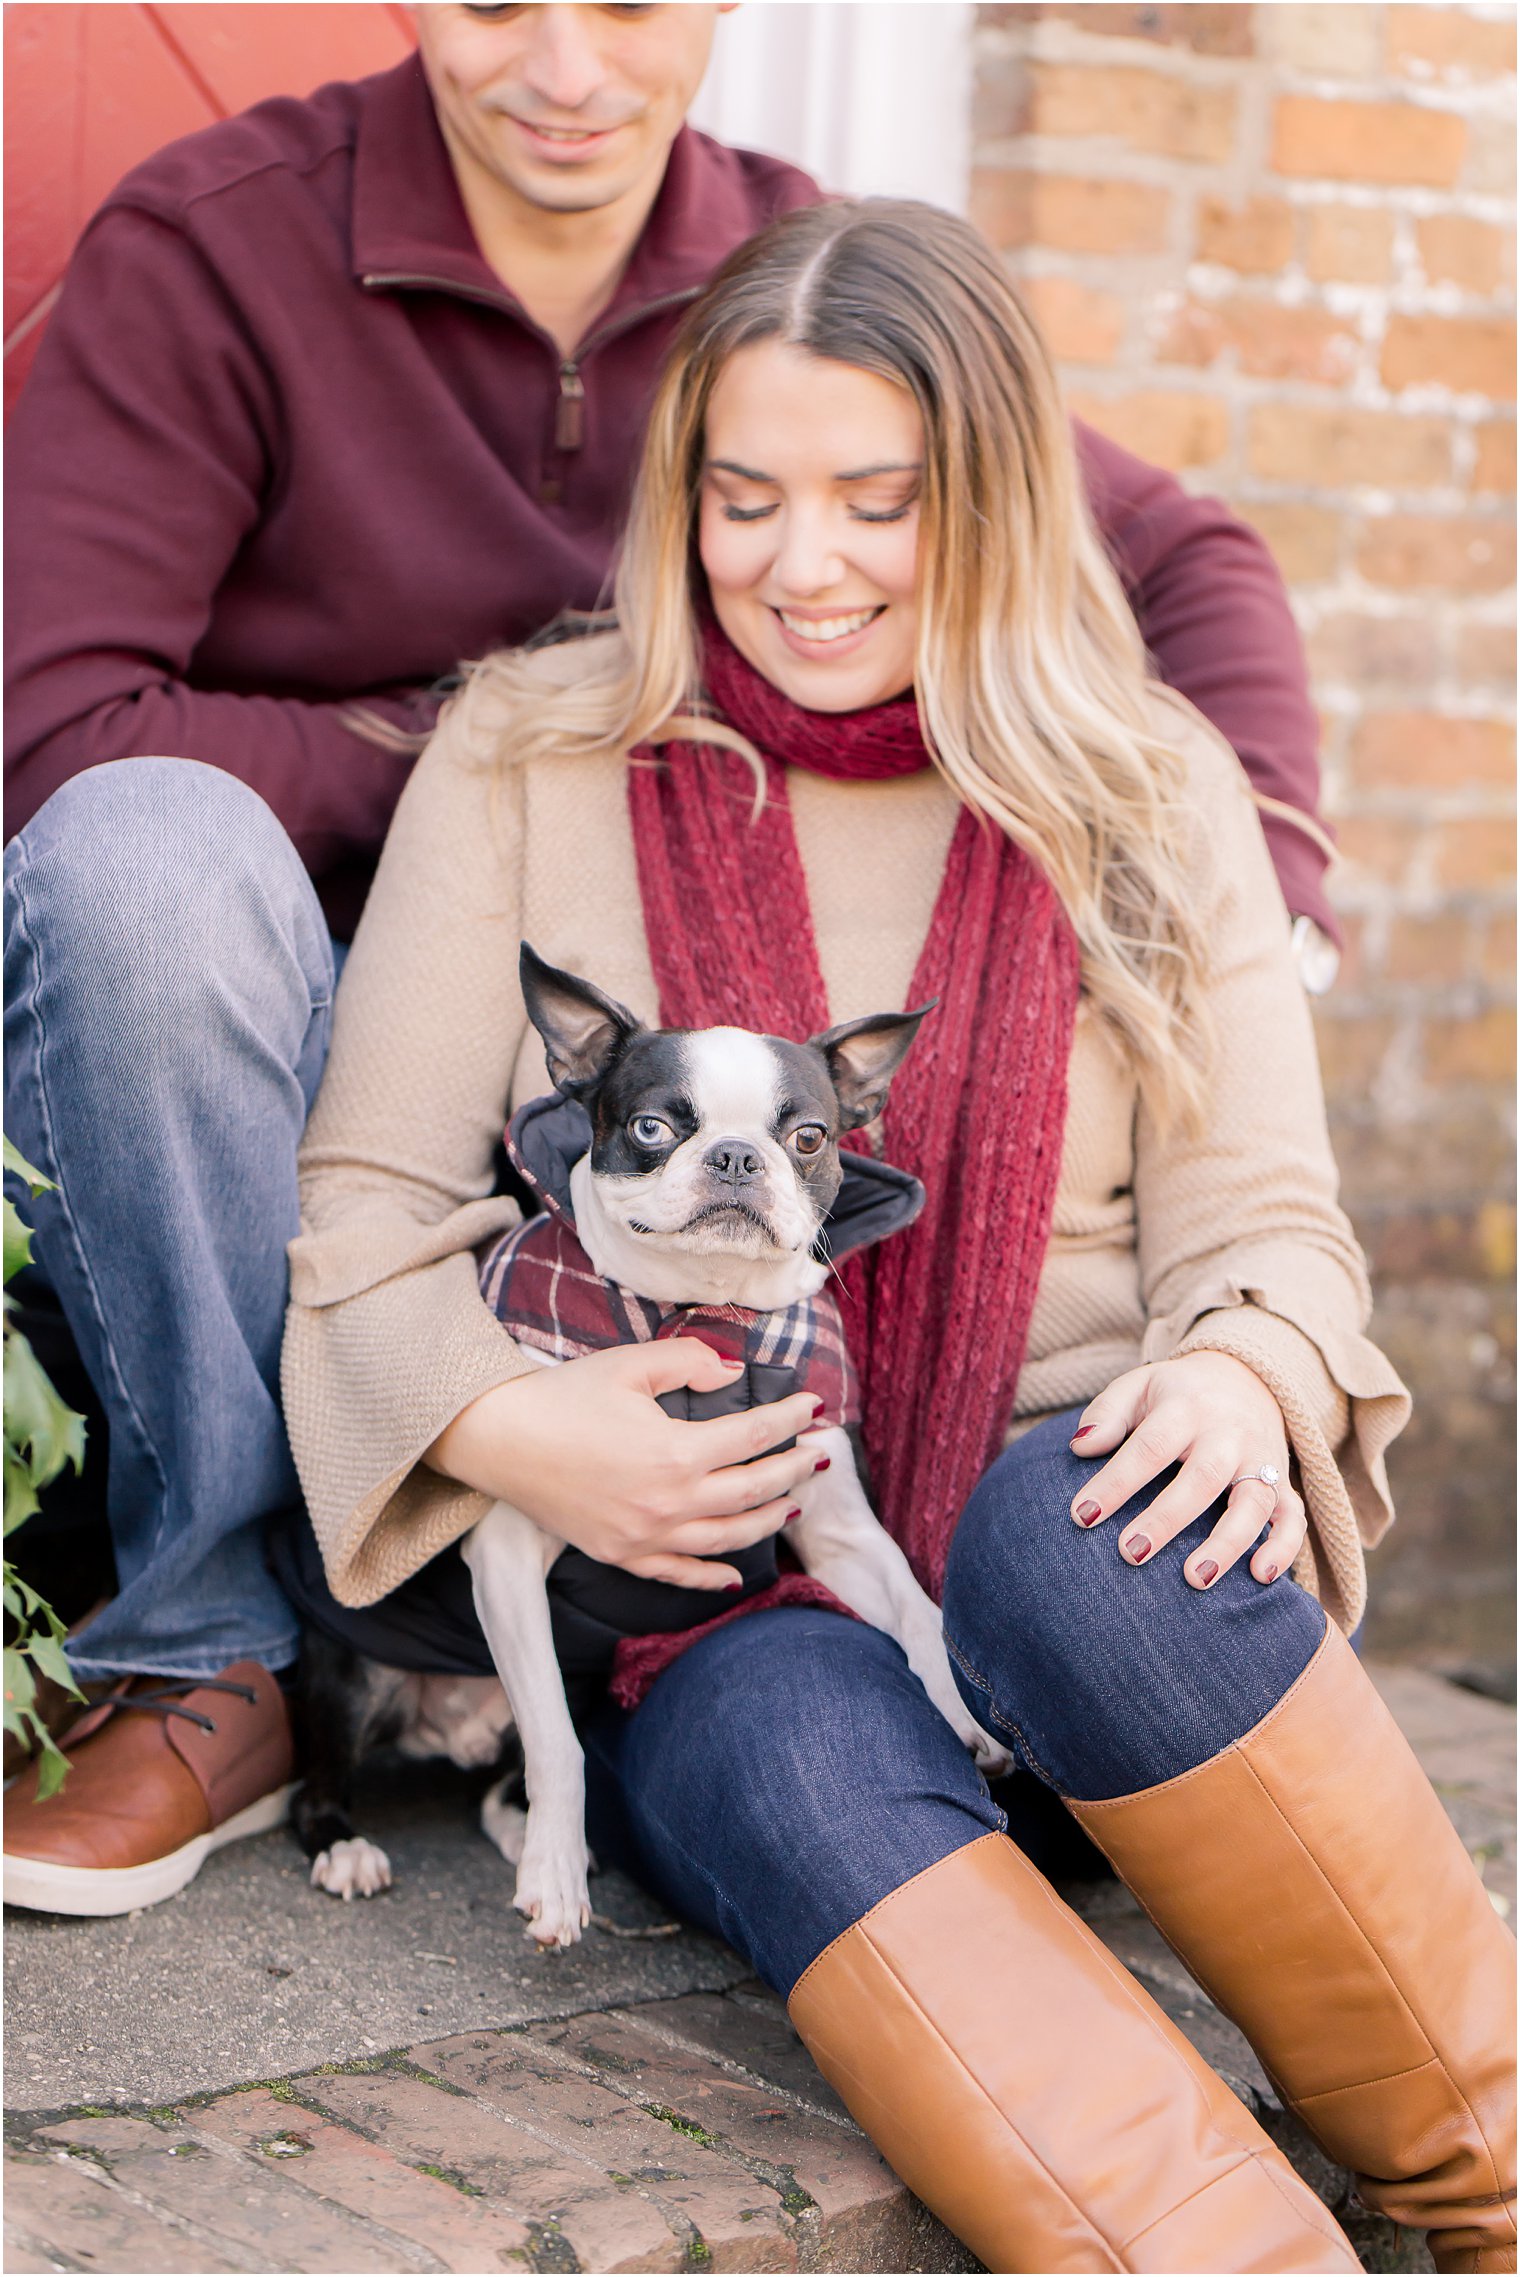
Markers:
<point>875,725</point>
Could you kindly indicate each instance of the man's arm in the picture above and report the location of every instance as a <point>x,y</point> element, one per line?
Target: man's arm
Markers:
<point>1215,618</point>
<point>140,456</point>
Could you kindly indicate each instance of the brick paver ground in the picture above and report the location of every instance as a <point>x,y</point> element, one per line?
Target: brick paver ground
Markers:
<point>657,2138</point>
<point>689,2133</point>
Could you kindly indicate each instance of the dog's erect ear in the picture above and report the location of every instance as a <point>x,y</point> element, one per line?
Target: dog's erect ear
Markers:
<point>583,1030</point>
<point>863,1057</point>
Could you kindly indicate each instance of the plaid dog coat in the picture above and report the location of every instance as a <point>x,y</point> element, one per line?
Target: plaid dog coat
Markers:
<point>542,1286</point>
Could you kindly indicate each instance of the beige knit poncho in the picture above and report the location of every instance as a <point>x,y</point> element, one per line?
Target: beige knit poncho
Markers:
<point>1229,1239</point>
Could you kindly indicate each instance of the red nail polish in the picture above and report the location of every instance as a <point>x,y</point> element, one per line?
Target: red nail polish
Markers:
<point>794,1512</point>
<point>1082,1434</point>
<point>1088,1513</point>
<point>1137,1549</point>
<point>1207,1572</point>
<point>822,1464</point>
<point>728,1589</point>
<point>818,1407</point>
<point>1270,1574</point>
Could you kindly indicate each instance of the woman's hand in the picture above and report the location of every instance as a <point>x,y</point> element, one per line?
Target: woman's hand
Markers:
<point>1214,1416</point>
<point>585,1451</point>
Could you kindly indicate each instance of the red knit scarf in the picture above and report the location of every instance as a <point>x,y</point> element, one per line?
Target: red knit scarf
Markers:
<point>938,1317</point>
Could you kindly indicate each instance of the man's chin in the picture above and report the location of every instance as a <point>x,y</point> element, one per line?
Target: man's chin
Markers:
<point>566,186</point>
<point>553,192</point>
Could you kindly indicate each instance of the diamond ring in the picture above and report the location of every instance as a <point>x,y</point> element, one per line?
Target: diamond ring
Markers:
<point>1269,1474</point>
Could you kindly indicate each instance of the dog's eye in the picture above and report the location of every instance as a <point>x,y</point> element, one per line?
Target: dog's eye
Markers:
<point>650,1130</point>
<point>809,1139</point>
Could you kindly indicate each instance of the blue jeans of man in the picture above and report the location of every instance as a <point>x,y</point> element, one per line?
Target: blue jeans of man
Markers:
<point>168,996</point>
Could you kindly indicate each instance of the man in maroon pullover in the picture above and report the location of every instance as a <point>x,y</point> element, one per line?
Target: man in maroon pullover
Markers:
<point>337,394</point>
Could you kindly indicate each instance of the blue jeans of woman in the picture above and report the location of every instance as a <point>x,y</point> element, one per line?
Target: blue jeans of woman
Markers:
<point>788,1771</point>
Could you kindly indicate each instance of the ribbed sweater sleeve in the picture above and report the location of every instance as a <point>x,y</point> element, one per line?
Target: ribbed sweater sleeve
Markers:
<point>387,1337</point>
<point>1243,1247</point>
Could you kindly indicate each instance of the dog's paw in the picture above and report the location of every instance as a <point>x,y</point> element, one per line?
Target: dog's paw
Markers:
<point>554,1922</point>
<point>504,1823</point>
<point>990,1757</point>
<point>551,1888</point>
<point>350,1869</point>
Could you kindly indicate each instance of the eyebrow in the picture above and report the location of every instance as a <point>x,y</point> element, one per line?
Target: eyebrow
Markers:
<point>856,474</point>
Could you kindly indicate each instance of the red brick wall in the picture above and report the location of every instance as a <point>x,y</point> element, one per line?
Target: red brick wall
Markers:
<point>1273,248</point>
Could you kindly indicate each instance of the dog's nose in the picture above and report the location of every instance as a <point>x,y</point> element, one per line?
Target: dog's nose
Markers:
<point>733,1160</point>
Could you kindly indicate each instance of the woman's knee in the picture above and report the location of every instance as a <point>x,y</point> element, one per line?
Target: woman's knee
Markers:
<point>1106,1677</point>
<point>1017,1554</point>
<point>794,1769</point>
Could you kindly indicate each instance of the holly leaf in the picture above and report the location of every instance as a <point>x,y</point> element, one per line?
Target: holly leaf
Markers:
<point>16,1162</point>
<point>45,1432</point>
<point>49,1659</point>
<point>44,1612</point>
<point>20,1496</point>
<point>21,1599</point>
<point>52,1765</point>
<point>20,1690</point>
<point>18,1241</point>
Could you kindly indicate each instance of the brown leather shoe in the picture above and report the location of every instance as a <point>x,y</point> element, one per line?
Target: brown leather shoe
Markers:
<point>162,1772</point>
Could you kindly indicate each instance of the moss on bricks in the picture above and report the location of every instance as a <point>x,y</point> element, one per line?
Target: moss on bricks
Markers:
<point>455,2180</point>
<point>682,2126</point>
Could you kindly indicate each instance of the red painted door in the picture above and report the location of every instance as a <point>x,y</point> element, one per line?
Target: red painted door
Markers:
<point>91,90</point>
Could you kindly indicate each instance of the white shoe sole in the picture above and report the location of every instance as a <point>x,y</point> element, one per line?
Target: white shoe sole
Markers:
<point>42,1887</point>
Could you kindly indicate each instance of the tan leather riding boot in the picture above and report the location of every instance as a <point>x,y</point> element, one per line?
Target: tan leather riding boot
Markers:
<point>1035,2097</point>
<point>1311,1881</point>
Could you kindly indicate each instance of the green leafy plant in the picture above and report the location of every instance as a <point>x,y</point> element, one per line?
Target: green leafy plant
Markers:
<point>41,1435</point>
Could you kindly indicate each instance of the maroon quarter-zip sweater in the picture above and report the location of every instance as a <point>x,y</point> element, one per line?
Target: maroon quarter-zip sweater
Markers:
<point>289,442</point>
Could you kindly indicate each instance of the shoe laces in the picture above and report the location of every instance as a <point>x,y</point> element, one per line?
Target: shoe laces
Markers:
<point>170,1700</point>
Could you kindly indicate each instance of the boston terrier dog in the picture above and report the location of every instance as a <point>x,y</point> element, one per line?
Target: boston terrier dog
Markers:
<point>690,1177</point>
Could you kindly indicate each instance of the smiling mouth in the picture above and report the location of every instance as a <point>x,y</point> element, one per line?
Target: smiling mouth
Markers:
<point>821,630</point>
<point>569,137</point>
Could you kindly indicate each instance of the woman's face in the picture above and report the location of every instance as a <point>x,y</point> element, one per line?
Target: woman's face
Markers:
<point>808,524</point>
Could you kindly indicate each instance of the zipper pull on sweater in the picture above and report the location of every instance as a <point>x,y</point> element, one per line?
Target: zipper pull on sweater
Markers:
<point>570,411</point>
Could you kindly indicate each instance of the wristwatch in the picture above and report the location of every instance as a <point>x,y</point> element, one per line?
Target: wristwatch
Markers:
<point>1316,956</point>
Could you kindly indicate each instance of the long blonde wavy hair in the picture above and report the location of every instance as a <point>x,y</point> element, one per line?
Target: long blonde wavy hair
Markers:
<point>1030,673</point>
